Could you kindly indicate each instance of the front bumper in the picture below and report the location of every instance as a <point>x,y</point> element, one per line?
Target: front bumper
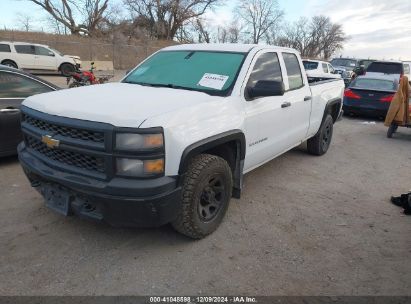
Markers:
<point>119,202</point>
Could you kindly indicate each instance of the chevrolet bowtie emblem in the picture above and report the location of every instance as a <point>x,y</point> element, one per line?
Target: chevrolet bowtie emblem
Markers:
<point>50,141</point>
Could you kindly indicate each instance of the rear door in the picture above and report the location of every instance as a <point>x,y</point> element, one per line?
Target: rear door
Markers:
<point>14,88</point>
<point>45,58</point>
<point>298,94</point>
<point>26,56</point>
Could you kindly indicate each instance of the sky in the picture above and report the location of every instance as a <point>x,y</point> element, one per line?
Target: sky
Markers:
<point>377,29</point>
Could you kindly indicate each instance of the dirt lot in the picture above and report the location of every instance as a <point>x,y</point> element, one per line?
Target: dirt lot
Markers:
<point>304,226</point>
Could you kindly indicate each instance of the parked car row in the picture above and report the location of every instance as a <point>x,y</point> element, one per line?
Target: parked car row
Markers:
<point>15,86</point>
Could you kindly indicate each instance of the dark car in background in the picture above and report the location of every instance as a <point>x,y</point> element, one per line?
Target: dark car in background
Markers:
<point>362,65</point>
<point>394,68</point>
<point>345,67</point>
<point>15,86</point>
<point>370,95</point>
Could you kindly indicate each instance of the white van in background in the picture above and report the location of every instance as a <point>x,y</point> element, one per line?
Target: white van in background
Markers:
<point>31,56</point>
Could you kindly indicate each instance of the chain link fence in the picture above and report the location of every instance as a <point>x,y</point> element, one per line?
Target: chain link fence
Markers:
<point>124,56</point>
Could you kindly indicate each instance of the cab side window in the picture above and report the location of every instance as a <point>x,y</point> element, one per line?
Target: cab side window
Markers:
<point>24,49</point>
<point>42,51</point>
<point>295,77</point>
<point>331,69</point>
<point>267,67</point>
<point>13,85</point>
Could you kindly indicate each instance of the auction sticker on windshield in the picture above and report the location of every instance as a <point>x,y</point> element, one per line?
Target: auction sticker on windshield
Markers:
<point>213,81</point>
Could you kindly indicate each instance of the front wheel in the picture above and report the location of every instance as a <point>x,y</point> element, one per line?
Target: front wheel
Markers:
<point>67,69</point>
<point>319,144</point>
<point>9,63</point>
<point>206,193</point>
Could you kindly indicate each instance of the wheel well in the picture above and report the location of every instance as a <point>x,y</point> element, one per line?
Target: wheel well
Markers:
<point>227,151</point>
<point>334,109</point>
<point>5,60</point>
<point>230,146</point>
<point>64,63</point>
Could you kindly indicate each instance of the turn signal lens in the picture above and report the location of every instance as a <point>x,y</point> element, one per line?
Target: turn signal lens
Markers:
<point>153,141</point>
<point>154,166</point>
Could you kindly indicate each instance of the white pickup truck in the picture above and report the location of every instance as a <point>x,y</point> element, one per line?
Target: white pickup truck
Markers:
<point>171,142</point>
<point>319,70</point>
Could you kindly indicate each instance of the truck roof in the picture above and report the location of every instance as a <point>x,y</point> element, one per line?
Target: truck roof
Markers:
<point>224,47</point>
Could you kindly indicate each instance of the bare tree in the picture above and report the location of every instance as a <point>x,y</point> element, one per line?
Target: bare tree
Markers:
<point>222,34</point>
<point>318,38</point>
<point>25,21</point>
<point>204,35</point>
<point>167,17</point>
<point>89,12</point>
<point>259,16</point>
<point>234,30</point>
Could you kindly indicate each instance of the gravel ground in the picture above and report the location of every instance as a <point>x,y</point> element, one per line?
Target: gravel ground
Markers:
<point>305,226</point>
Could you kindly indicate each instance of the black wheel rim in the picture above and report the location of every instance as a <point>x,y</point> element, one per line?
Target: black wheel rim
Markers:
<point>211,199</point>
<point>326,136</point>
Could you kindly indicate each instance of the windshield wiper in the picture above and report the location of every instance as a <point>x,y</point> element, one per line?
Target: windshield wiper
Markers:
<point>171,86</point>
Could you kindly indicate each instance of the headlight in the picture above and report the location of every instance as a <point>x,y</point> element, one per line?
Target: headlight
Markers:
<point>139,168</point>
<point>132,141</point>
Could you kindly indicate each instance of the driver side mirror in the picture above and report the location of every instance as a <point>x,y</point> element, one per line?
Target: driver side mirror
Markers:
<point>51,54</point>
<point>265,88</point>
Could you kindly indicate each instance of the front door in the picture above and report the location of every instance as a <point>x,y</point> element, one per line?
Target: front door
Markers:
<point>45,59</point>
<point>267,119</point>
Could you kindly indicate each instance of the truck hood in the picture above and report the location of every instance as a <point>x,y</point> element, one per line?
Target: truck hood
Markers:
<point>119,104</point>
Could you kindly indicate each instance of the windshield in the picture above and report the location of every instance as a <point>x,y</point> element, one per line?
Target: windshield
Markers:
<point>349,64</point>
<point>310,65</point>
<point>55,51</point>
<point>374,84</point>
<point>213,73</point>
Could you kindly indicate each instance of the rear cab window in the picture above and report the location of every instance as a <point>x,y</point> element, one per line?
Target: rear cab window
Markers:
<point>310,65</point>
<point>5,48</point>
<point>325,68</point>
<point>25,49</point>
<point>292,66</point>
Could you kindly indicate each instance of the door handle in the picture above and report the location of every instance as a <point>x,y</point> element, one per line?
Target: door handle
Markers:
<point>307,98</point>
<point>286,105</point>
<point>8,110</point>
